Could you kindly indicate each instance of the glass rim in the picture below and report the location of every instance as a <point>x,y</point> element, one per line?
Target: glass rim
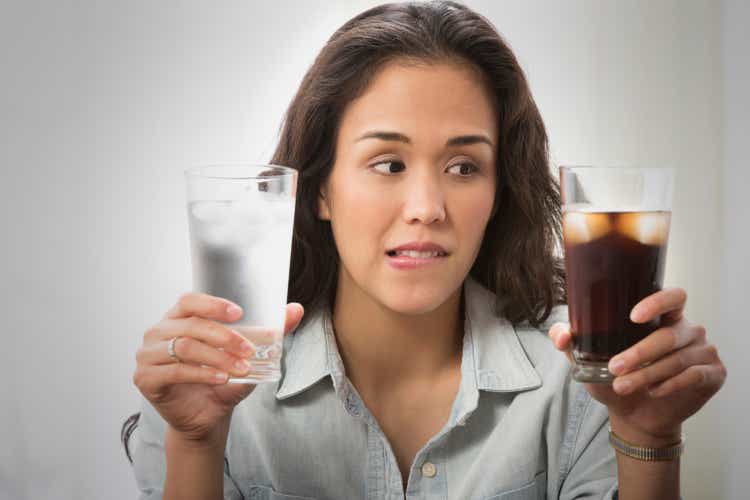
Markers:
<point>204,171</point>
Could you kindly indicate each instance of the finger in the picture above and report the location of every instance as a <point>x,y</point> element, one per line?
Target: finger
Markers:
<point>665,368</point>
<point>294,313</point>
<point>698,377</point>
<point>562,339</point>
<point>657,345</point>
<point>259,335</point>
<point>207,331</point>
<point>262,337</point>
<point>154,378</point>
<point>192,351</point>
<point>205,306</point>
<point>669,302</point>
<point>560,335</point>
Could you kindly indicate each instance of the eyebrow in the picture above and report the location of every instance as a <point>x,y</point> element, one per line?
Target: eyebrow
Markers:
<point>462,140</point>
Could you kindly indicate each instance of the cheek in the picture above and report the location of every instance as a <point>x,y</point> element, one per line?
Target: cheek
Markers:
<point>360,217</point>
<point>472,216</point>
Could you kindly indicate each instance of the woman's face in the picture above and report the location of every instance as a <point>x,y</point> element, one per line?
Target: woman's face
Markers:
<point>415,161</point>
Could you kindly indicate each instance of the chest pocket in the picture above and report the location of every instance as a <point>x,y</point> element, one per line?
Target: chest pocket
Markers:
<point>257,492</point>
<point>534,490</point>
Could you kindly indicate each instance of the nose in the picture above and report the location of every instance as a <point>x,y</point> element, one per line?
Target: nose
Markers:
<point>423,199</point>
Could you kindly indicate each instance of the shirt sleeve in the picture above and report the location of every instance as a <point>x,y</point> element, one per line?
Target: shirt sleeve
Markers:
<point>149,459</point>
<point>592,470</point>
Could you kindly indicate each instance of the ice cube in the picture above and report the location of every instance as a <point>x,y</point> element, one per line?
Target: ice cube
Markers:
<point>249,211</point>
<point>582,227</point>
<point>649,228</point>
<point>209,211</point>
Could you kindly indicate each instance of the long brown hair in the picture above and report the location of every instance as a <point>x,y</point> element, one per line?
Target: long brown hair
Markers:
<point>517,259</point>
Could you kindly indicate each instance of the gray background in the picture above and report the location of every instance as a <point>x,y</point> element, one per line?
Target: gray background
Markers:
<point>104,104</point>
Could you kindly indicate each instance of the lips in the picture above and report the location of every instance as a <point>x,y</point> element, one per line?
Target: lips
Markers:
<point>407,259</point>
<point>419,246</point>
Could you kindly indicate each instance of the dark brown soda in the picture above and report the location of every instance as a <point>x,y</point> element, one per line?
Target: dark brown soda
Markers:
<point>606,277</point>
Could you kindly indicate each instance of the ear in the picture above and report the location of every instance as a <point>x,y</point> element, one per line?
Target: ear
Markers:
<point>324,211</point>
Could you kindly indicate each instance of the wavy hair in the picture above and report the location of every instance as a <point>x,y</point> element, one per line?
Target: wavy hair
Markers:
<point>518,258</point>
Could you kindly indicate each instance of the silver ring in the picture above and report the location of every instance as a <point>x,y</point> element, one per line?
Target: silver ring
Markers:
<point>170,350</point>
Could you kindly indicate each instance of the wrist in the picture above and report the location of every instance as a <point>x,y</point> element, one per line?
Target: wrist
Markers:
<point>195,464</point>
<point>632,434</point>
<point>213,440</point>
<point>178,442</point>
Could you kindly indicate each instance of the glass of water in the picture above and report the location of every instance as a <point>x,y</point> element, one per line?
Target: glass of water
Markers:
<point>241,219</point>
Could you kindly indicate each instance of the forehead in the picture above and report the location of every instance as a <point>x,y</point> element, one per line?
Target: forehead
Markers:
<point>436,99</point>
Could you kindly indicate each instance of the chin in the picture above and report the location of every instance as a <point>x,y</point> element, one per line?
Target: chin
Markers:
<point>413,304</point>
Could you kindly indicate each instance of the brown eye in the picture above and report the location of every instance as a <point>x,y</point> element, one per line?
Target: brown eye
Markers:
<point>465,169</point>
<point>389,166</point>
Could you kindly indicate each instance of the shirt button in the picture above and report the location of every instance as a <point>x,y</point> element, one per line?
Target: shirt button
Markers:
<point>429,469</point>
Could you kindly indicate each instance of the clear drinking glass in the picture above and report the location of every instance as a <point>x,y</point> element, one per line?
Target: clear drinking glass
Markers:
<point>241,218</point>
<point>615,227</point>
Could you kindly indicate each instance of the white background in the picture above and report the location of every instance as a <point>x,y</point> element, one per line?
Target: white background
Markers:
<point>104,104</point>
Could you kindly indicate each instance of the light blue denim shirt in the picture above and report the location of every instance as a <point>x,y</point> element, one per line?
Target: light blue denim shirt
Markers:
<point>520,428</point>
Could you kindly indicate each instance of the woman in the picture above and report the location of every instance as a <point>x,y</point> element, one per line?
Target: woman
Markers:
<point>427,374</point>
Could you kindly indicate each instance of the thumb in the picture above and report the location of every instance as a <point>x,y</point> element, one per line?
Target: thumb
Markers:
<point>294,313</point>
<point>562,339</point>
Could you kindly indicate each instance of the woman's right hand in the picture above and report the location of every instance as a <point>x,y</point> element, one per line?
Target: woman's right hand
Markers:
<point>193,399</point>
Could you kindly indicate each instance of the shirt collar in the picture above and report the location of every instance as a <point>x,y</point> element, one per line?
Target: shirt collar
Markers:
<point>306,360</point>
<point>493,352</point>
<point>500,361</point>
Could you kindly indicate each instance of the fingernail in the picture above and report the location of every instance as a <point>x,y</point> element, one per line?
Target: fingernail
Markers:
<point>233,309</point>
<point>622,386</point>
<point>220,376</point>
<point>616,365</point>
<point>246,347</point>
<point>635,315</point>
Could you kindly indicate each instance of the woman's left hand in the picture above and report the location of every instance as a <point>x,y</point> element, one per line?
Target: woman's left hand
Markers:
<point>664,378</point>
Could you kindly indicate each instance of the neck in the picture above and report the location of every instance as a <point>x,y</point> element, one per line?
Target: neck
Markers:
<point>390,349</point>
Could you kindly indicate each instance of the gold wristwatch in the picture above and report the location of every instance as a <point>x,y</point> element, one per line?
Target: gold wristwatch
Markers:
<point>671,452</point>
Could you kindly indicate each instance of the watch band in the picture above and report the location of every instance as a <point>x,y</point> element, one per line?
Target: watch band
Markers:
<point>671,452</point>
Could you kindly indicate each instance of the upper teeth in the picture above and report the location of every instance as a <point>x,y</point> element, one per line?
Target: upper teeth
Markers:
<point>420,255</point>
